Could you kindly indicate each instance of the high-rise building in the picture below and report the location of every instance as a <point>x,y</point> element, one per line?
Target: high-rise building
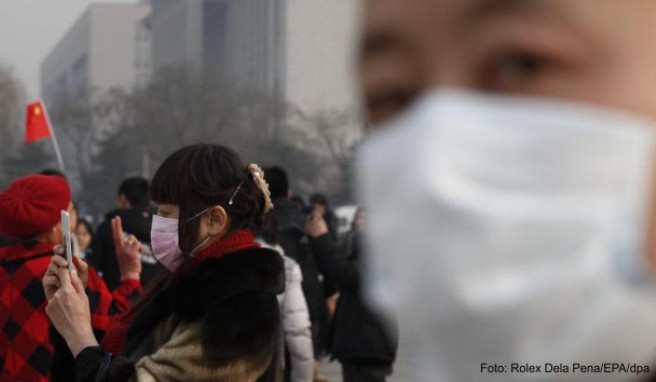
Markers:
<point>188,32</point>
<point>299,49</point>
<point>108,46</point>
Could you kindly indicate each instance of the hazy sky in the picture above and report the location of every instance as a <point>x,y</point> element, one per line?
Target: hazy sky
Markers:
<point>29,29</point>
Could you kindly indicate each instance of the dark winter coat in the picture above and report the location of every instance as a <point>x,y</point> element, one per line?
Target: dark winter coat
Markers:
<point>103,256</point>
<point>227,305</point>
<point>358,334</point>
<point>291,236</point>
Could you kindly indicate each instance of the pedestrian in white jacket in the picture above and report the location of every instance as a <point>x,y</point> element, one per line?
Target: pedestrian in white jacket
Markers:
<point>295,320</point>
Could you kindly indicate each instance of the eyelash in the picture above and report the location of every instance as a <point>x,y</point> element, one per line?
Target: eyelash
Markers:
<point>514,70</point>
<point>388,103</point>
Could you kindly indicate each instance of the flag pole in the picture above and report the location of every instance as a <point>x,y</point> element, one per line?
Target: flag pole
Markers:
<point>53,137</point>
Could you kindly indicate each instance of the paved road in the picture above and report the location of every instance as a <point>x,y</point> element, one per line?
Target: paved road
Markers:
<point>404,369</point>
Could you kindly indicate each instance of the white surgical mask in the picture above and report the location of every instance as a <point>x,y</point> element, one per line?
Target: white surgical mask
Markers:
<point>511,230</point>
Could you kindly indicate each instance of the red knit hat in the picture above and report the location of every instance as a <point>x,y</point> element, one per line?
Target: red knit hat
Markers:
<point>32,205</point>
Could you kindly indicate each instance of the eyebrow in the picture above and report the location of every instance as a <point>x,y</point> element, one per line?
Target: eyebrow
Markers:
<point>482,9</point>
<point>379,41</point>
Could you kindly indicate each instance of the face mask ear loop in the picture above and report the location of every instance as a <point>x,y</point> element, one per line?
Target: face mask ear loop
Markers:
<point>197,215</point>
<point>193,251</point>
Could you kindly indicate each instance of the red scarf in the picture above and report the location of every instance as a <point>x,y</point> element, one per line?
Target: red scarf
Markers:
<point>116,337</point>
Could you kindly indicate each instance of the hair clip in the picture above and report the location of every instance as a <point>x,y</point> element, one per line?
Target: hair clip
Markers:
<point>262,185</point>
<point>234,194</point>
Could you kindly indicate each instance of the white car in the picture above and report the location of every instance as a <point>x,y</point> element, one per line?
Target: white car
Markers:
<point>345,216</point>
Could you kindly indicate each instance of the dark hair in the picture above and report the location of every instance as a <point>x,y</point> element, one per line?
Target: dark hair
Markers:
<point>136,191</point>
<point>278,182</point>
<point>204,175</point>
<point>269,232</point>
<point>320,199</point>
<point>299,201</point>
<point>86,225</point>
<point>52,172</point>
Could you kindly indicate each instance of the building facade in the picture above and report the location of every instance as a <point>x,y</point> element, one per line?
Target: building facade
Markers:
<point>301,50</point>
<point>108,46</point>
<point>188,32</point>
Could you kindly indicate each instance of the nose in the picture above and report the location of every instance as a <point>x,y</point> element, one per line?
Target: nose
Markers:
<point>449,70</point>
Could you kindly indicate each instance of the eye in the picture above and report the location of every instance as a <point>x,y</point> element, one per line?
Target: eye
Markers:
<point>387,104</point>
<point>514,71</point>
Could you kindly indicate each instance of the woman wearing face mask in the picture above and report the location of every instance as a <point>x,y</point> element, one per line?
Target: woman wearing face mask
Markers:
<point>214,317</point>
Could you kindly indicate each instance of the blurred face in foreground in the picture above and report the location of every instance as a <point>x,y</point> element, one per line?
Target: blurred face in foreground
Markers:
<point>599,51</point>
<point>596,51</point>
<point>514,169</point>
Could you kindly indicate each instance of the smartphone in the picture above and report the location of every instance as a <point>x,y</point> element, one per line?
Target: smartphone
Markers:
<point>68,242</point>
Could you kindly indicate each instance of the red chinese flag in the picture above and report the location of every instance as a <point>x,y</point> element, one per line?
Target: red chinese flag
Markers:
<point>36,123</point>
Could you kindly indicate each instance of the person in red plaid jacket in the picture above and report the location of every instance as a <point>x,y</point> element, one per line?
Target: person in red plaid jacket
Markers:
<point>30,212</point>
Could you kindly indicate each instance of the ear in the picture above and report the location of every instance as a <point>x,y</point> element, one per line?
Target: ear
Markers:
<point>55,234</point>
<point>218,221</point>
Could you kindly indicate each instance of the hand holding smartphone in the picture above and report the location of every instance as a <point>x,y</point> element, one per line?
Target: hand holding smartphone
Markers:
<point>68,243</point>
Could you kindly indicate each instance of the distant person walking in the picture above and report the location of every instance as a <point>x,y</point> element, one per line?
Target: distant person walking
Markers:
<point>132,207</point>
<point>363,343</point>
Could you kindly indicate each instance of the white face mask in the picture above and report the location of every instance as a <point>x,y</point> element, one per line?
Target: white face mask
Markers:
<point>508,229</point>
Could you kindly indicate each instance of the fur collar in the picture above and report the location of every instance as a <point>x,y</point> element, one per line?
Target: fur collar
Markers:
<point>231,295</point>
<point>218,279</point>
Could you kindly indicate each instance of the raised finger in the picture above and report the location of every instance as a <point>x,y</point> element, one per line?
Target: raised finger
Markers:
<point>117,232</point>
<point>133,241</point>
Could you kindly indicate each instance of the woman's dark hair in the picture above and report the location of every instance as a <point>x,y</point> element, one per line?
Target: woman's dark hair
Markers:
<point>205,175</point>
<point>269,231</point>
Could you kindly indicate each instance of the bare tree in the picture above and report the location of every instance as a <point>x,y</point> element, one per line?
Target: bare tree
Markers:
<point>181,107</point>
<point>12,99</point>
<point>72,115</point>
<point>332,136</point>
<point>16,158</point>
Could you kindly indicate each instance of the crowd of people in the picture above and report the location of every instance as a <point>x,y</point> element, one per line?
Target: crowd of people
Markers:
<point>508,193</point>
<point>194,275</point>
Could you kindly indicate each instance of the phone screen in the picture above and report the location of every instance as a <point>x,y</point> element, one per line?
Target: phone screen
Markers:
<point>66,232</point>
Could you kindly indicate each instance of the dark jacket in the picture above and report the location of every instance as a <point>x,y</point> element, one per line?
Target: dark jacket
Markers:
<point>226,304</point>
<point>103,256</point>
<point>291,235</point>
<point>332,221</point>
<point>358,334</point>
